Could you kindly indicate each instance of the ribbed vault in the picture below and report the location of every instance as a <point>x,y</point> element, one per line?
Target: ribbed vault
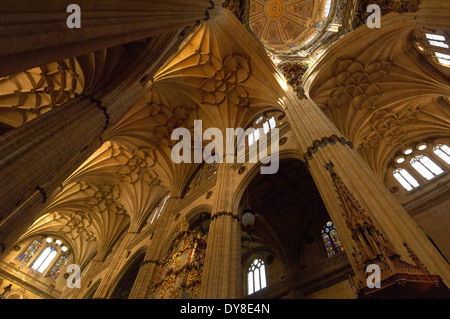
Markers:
<point>381,95</point>
<point>212,78</point>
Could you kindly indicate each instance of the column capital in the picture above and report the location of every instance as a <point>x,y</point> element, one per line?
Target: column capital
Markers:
<point>324,141</point>
<point>230,214</point>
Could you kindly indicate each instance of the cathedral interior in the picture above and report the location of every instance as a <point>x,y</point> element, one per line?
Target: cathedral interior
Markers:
<point>93,205</point>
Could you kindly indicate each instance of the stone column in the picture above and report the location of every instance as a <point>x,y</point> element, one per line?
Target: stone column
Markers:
<point>104,289</point>
<point>150,264</point>
<point>104,23</point>
<point>323,143</point>
<point>37,157</point>
<point>221,272</point>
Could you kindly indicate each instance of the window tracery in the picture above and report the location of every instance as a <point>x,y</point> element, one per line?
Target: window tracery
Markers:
<point>262,124</point>
<point>54,249</point>
<point>30,251</point>
<point>256,276</point>
<point>59,265</point>
<point>419,163</point>
<point>204,174</point>
<point>45,259</point>
<point>442,151</point>
<point>425,166</point>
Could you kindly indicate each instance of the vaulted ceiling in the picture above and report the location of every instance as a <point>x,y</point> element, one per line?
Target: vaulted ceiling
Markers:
<point>213,78</point>
<point>376,93</point>
<point>381,94</point>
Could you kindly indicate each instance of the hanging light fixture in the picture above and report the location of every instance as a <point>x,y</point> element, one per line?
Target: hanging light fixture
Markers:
<point>248,216</point>
<point>248,219</point>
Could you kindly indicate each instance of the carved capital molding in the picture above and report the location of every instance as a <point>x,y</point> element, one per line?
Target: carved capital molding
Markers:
<point>98,104</point>
<point>324,141</point>
<point>219,214</point>
<point>294,72</point>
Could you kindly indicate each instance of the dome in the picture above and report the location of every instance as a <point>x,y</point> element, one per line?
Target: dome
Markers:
<point>282,25</point>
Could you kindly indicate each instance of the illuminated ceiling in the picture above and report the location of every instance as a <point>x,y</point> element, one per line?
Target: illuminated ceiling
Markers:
<point>286,25</point>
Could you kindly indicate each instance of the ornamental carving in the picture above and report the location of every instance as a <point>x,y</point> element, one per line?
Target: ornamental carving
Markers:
<point>283,25</point>
<point>167,119</point>
<point>372,247</point>
<point>105,200</point>
<point>225,85</point>
<point>386,6</point>
<point>357,85</point>
<point>293,72</point>
<point>140,165</point>
<point>76,225</point>
<point>239,9</point>
<point>28,94</point>
<point>181,268</point>
<point>390,127</point>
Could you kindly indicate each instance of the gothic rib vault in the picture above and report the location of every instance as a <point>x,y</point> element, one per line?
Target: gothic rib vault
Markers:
<point>368,92</point>
<point>214,81</point>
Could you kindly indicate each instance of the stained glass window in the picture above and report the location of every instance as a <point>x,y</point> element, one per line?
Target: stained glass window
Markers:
<point>56,270</point>
<point>206,172</point>
<point>45,259</point>
<point>256,276</point>
<point>30,251</point>
<point>333,244</point>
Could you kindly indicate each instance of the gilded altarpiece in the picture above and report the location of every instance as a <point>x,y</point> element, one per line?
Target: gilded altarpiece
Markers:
<point>181,268</point>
